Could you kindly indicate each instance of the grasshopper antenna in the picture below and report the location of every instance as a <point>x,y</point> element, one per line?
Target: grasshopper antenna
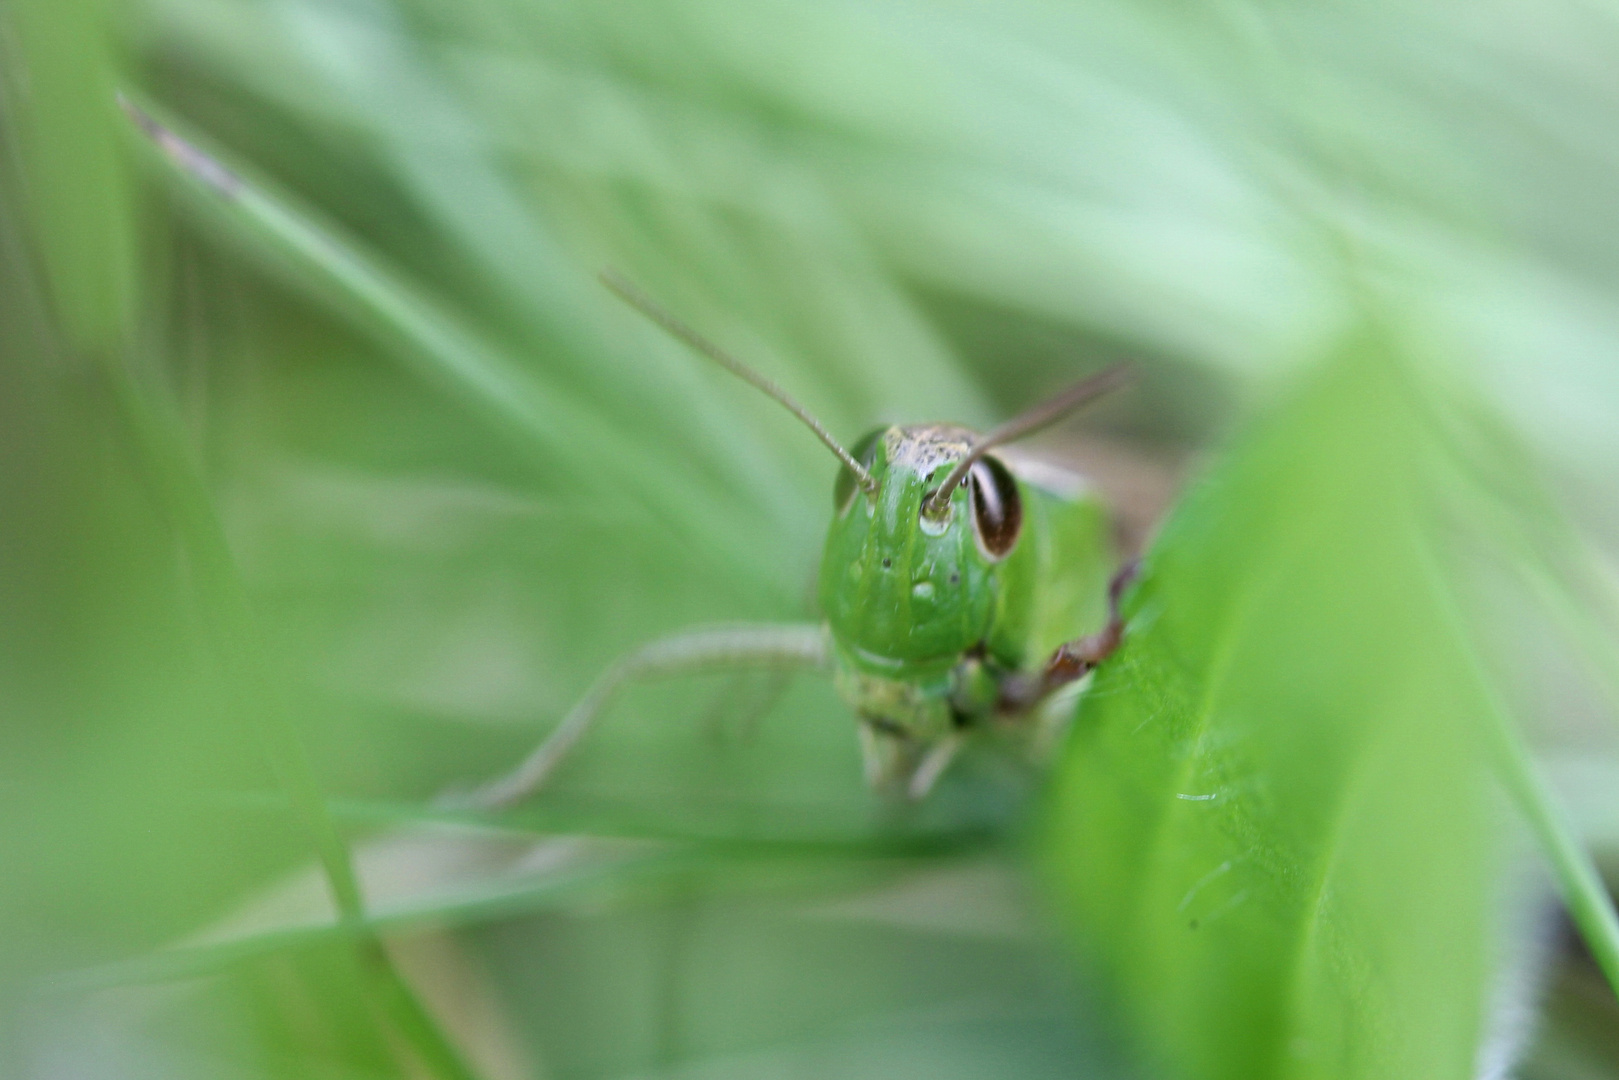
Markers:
<point>643,303</point>
<point>1086,390</point>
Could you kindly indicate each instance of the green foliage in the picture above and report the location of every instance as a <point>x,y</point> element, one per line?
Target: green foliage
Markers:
<point>1273,822</point>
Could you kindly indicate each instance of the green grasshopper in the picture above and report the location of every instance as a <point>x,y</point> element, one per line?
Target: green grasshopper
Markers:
<point>955,589</point>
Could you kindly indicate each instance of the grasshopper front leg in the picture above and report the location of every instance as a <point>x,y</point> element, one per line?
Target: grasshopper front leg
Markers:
<point>1072,660</point>
<point>1022,693</point>
<point>776,646</point>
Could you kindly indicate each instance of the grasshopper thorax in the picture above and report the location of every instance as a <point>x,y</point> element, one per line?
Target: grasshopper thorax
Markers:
<point>906,581</point>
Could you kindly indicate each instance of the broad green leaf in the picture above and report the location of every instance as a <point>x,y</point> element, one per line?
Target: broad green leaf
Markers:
<point>1274,826</point>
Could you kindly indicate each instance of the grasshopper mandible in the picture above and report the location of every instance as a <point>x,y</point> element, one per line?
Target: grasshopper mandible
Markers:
<point>954,589</point>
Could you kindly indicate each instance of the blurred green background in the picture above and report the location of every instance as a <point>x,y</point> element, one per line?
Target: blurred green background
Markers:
<point>329,481</point>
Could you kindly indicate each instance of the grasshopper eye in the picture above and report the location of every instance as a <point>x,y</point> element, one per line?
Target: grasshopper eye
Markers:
<point>997,507</point>
<point>863,451</point>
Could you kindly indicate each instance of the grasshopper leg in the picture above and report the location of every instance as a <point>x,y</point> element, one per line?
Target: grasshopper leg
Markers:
<point>765,645</point>
<point>756,700</point>
<point>933,765</point>
<point>1072,660</point>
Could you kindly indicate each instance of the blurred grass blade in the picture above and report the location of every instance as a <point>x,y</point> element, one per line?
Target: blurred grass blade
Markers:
<point>1589,902</point>
<point>436,868</point>
<point>447,352</point>
<point>1568,579</point>
<point>78,189</point>
<point>742,824</point>
<point>441,350</point>
<point>1274,826</point>
<point>261,697</point>
<point>1541,546</point>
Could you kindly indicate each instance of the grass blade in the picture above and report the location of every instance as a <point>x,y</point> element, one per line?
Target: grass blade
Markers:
<point>439,349</point>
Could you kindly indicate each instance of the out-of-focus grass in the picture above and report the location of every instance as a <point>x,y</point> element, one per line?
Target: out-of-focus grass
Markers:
<point>899,211</point>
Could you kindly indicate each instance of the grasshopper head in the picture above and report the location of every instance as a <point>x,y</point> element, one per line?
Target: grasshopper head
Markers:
<point>906,577</point>
<point>926,518</point>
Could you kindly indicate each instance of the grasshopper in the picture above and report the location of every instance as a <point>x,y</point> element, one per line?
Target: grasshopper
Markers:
<point>954,586</point>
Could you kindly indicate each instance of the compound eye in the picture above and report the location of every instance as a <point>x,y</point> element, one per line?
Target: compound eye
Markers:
<point>864,452</point>
<point>997,507</point>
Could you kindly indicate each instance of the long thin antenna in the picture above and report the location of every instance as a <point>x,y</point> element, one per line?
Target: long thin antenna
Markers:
<point>643,303</point>
<point>1026,423</point>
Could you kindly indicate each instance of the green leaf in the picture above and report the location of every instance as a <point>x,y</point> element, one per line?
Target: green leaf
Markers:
<point>1274,826</point>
